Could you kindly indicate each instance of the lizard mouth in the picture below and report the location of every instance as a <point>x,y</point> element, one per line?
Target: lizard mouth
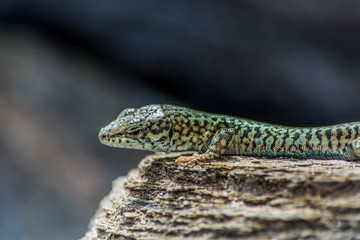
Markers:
<point>106,139</point>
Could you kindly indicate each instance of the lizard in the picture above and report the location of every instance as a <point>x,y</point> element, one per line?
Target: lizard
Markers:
<point>169,128</point>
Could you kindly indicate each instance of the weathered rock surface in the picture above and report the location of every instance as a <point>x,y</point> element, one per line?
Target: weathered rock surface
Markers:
<point>236,197</point>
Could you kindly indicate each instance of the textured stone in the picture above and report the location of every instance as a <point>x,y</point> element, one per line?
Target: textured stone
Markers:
<point>235,197</point>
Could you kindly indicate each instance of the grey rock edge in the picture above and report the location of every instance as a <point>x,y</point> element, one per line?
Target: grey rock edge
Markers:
<point>235,197</point>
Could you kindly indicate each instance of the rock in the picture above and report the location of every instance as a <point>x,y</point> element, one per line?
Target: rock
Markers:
<point>235,197</point>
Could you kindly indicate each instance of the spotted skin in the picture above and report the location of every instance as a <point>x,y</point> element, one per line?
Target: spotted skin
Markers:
<point>169,128</point>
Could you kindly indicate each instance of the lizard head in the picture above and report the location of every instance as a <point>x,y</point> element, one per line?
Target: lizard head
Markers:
<point>145,128</point>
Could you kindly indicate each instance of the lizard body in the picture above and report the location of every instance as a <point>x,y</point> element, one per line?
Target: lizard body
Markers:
<point>169,128</point>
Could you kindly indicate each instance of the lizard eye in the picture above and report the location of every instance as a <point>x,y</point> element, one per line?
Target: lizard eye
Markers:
<point>135,132</point>
<point>133,129</point>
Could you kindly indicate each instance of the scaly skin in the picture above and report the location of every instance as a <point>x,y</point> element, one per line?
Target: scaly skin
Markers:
<point>169,128</point>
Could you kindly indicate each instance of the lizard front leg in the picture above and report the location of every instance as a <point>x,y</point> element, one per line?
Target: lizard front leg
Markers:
<point>217,146</point>
<point>355,149</point>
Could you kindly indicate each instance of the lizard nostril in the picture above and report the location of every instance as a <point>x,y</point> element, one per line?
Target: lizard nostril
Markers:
<point>103,136</point>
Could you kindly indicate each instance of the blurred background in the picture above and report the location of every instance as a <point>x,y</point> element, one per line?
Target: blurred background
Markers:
<point>67,68</point>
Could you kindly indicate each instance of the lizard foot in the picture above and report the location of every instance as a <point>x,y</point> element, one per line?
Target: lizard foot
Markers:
<point>193,159</point>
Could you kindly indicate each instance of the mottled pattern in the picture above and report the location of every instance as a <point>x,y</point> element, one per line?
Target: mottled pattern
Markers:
<point>169,128</point>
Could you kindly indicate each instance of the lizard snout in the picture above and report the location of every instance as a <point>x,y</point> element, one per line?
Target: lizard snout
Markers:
<point>103,135</point>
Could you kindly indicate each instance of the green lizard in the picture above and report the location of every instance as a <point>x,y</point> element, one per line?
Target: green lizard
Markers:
<point>168,128</point>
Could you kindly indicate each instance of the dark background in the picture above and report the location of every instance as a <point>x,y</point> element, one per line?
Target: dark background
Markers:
<point>67,68</point>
